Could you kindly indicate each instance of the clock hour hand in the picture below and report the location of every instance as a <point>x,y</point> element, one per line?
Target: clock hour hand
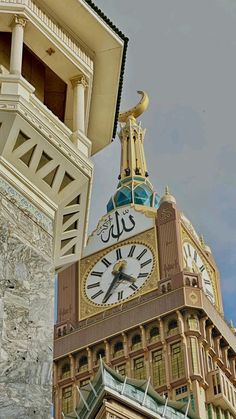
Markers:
<point>111,287</point>
<point>127,277</point>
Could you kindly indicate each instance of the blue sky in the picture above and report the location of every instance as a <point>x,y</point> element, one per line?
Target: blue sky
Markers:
<point>183,53</point>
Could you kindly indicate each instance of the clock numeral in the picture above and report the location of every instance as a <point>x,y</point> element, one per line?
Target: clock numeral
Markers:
<point>146,263</point>
<point>207,281</point>
<point>120,295</point>
<point>133,287</point>
<point>97,294</point>
<point>118,254</point>
<point>143,275</point>
<point>202,268</point>
<point>195,256</point>
<point>131,252</point>
<point>106,262</point>
<point>210,295</point>
<point>189,251</point>
<point>141,254</point>
<point>95,273</point>
<point>96,284</point>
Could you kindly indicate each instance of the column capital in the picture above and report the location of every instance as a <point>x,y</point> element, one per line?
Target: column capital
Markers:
<point>19,20</point>
<point>81,79</point>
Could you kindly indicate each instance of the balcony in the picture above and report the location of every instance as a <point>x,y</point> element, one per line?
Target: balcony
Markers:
<point>221,391</point>
<point>37,148</point>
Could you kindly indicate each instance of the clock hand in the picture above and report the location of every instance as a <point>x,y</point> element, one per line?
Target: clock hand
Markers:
<point>127,277</point>
<point>111,287</point>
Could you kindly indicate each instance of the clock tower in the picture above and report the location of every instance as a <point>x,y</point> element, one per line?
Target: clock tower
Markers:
<point>145,298</point>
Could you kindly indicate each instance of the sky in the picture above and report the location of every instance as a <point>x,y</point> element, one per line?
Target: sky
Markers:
<point>183,54</point>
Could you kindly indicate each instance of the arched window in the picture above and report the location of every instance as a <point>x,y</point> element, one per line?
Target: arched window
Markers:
<point>172,327</point>
<point>64,330</point>
<point>154,334</point>
<point>163,289</point>
<point>187,281</point>
<point>194,282</point>
<point>65,370</point>
<point>136,342</point>
<point>59,333</point>
<point>83,363</point>
<point>100,354</point>
<point>168,286</point>
<point>118,349</point>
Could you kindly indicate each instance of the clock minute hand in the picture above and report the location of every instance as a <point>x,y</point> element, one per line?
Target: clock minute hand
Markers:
<point>111,287</point>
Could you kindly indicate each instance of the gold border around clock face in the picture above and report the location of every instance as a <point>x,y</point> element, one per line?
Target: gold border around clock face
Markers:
<point>210,269</point>
<point>87,307</point>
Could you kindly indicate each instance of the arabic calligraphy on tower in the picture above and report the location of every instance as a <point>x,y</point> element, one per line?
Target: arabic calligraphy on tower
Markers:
<point>118,225</point>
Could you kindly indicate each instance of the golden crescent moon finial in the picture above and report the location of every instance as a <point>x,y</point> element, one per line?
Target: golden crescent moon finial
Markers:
<point>137,110</point>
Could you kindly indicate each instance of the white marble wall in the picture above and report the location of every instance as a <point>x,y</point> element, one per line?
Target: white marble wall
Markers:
<point>26,315</point>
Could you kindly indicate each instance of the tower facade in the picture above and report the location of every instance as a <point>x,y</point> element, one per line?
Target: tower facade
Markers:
<point>51,100</point>
<point>145,299</point>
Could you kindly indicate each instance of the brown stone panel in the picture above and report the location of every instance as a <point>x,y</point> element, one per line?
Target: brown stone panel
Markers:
<point>107,327</point>
<point>67,295</point>
<point>169,240</point>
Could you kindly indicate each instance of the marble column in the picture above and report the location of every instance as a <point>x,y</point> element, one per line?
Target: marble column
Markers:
<point>17,38</point>
<point>26,308</point>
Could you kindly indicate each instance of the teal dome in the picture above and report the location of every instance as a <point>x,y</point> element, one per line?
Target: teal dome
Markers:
<point>134,190</point>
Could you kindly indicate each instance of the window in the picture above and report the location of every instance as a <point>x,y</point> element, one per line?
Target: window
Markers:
<point>172,327</point>
<point>154,334</point>
<point>177,361</point>
<point>65,370</point>
<point>194,355</point>
<point>216,383</point>
<point>84,382</point>
<point>118,349</point>
<point>121,369</point>
<point>158,368</point>
<point>193,323</point>
<point>100,354</point>
<point>168,286</point>
<point>136,342</point>
<point>181,390</point>
<point>139,368</point>
<point>210,363</point>
<point>83,363</point>
<point>67,400</point>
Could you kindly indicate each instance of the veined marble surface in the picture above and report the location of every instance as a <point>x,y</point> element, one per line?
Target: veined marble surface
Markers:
<point>26,315</point>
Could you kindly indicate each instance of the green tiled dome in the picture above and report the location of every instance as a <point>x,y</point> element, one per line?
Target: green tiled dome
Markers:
<point>134,190</point>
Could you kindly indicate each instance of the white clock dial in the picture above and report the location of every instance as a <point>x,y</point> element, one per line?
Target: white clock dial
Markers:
<point>194,263</point>
<point>119,274</point>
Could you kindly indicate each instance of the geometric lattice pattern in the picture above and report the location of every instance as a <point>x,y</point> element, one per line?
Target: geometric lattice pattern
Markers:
<point>64,185</point>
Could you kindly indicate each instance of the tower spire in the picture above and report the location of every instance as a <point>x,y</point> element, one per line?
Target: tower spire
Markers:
<point>133,162</point>
<point>134,186</point>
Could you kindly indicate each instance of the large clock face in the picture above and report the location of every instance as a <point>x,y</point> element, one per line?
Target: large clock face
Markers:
<point>119,274</point>
<point>194,263</point>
